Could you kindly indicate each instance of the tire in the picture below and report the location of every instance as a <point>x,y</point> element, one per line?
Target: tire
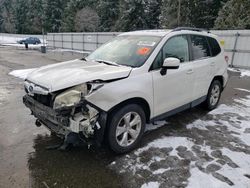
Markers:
<point>120,131</point>
<point>213,96</point>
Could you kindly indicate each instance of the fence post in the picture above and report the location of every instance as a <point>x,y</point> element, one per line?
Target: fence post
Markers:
<point>72,42</point>
<point>83,41</point>
<point>54,45</point>
<point>62,39</point>
<point>97,41</point>
<point>237,35</point>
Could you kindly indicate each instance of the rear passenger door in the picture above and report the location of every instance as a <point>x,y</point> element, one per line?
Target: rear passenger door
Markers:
<point>203,65</point>
<point>215,53</point>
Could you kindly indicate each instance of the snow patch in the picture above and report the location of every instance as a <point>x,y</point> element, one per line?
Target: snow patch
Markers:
<point>155,125</point>
<point>241,89</point>
<point>23,73</point>
<point>237,175</point>
<point>69,50</point>
<point>152,184</point>
<point>233,69</point>
<point>9,40</point>
<point>221,109</point>
<point>199,179</point>
<point>200,124</point>
<point>165,142</point>
<point>30,46</point>
<point>161,170</point>
<point>245,72</point>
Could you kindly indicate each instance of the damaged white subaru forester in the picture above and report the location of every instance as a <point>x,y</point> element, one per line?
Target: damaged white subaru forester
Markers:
<point>136,78</point>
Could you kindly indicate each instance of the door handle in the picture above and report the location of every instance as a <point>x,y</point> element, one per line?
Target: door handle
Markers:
<point>212,64</point>
<point>190,71</point>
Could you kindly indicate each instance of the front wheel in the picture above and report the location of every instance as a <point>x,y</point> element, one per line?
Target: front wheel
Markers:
<point>213,96</point>
<point>126,128</point>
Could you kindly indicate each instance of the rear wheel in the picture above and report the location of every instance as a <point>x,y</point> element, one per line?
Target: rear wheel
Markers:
<point>126,128</point>
<point>213,96</point>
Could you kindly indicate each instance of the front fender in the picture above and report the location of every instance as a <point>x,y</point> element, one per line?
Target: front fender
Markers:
<point>111,94</point>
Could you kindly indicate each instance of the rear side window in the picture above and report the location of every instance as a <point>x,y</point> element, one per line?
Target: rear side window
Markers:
<point>200,47</point>
<point>214,46</point>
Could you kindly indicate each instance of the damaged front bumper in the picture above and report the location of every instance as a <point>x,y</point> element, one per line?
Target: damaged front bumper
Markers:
<point>84,119</point>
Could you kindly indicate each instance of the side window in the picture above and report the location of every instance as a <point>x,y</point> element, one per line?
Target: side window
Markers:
<point>175,47</point>
<point>214,46</point>
<point>200,47</point>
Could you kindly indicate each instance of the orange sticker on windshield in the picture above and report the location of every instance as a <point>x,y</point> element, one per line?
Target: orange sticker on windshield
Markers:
<point>143,51</point>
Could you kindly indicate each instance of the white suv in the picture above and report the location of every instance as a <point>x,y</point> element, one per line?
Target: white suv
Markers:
<point>136,78</point>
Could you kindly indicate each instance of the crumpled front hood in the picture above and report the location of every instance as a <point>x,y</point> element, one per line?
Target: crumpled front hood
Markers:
<point>67,74</point>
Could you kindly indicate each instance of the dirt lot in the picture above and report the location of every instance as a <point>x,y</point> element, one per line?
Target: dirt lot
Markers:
<point>194,148</point>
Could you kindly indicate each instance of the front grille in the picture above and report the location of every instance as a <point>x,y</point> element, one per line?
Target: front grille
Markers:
<point>44,99</point>
<point>46,114</point>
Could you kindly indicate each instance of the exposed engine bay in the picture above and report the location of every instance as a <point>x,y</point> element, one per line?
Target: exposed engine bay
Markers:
<point>66,111</point>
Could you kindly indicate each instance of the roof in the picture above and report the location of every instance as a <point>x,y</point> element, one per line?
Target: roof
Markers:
<point>164,32</point>
<point>157,32</point>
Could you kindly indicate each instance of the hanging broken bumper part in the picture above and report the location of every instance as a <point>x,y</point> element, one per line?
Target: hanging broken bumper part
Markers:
<point>82,122</point>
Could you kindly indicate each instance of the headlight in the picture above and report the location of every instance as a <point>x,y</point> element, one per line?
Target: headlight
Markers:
<point>70,97</point>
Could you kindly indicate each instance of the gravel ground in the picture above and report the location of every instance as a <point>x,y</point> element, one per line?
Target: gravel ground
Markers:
<point>193,149</point>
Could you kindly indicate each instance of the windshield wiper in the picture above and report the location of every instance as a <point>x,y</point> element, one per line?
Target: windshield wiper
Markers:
<point>106,62</point>
<point>128,65</point>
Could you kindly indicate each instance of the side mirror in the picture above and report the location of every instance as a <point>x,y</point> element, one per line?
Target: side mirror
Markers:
<point>170,63</point>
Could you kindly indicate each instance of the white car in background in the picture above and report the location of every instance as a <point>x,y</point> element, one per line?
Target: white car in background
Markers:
<point>136,78</point>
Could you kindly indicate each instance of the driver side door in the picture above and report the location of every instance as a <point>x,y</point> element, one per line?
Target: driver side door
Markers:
<point>174,89</point>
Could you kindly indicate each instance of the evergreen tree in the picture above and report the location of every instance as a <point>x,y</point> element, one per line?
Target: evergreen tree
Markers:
<point>8,16</point>
<point>108,10</point>
<point>203,13</point>
<point>169,13</point>
<point>37,15</point>
<point>68,21</point>
<point>1,14</point>
<point>132,16</point>
<point>70,11</point>
<point>152,12</point>
<point>30,16</point>
<point>234,15</point>
<point>21,16</point>
<point>194,13</point>
<point>54,13</point>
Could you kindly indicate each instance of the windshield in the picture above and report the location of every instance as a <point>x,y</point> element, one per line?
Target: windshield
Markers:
<point>126,50</point>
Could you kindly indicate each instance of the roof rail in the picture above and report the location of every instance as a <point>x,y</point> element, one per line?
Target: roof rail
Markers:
<point>191,29</point>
